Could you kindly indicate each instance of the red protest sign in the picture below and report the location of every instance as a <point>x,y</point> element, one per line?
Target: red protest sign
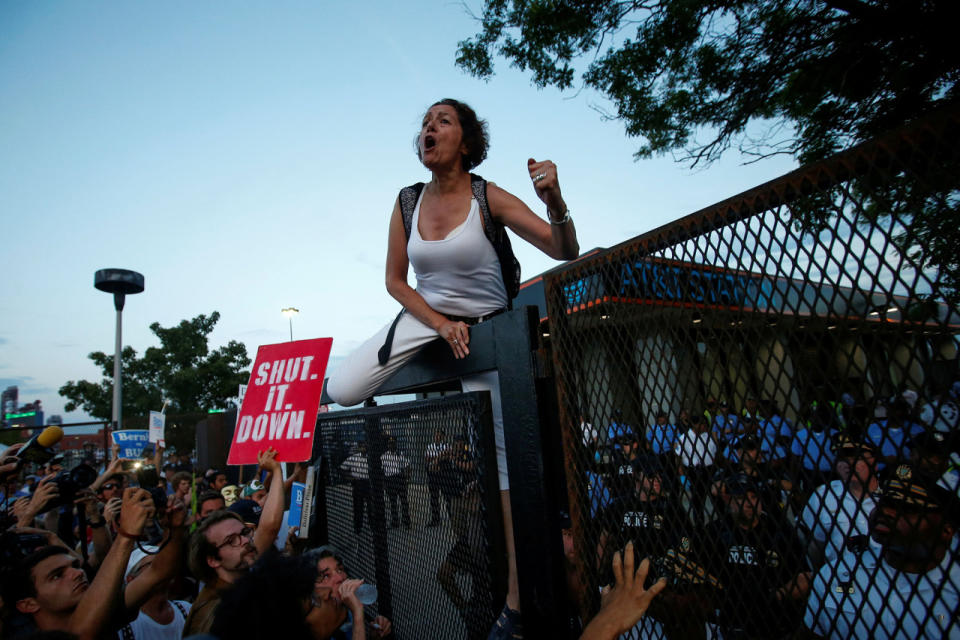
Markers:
<point>279,409</point>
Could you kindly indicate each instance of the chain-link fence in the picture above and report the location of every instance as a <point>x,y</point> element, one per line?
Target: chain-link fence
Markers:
<point>412,506</point>
<point>762,396</point>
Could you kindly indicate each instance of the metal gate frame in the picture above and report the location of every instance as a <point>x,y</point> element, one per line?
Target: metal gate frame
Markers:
<point>508,344</point>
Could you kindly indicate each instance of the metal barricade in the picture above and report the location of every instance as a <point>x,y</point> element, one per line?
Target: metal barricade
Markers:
<point>421,569</point>
<point>741,389</point>
<point>407,495</point>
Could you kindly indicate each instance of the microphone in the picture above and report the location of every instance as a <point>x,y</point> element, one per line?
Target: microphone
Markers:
<point>39,448</point>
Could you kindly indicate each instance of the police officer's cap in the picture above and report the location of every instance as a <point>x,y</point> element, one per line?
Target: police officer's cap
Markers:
<point>907,487</point>
<point>843,446</point>
<point>739,484</point>
<point>648,466</point>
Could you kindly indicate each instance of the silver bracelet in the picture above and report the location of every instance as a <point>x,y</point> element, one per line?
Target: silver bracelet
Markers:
<point>564,220</point>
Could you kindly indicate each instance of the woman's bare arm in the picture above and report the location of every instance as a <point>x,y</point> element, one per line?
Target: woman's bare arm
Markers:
<point>559,241</point>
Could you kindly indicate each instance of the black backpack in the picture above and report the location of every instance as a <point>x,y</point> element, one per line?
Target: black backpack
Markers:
<point>496,233</point>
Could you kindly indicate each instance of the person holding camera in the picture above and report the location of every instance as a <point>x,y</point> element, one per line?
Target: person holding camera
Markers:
<point>51,588</point>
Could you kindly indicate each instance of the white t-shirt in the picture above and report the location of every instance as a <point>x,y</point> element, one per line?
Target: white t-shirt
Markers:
<point>435,450</point>
<point>146,628</point>
<point>833,514</point>
<point>393,463</point>
<point>459,274</point>
<point>696,449</point>
<point>356,467</point>
<point>589,433</point>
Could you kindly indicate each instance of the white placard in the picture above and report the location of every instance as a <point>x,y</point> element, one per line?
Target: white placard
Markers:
<point>157,423</point>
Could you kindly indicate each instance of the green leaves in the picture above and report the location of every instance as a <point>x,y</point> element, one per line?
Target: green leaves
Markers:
<point>182,370</point>
<point>693,77</point>
<point>839,72</point>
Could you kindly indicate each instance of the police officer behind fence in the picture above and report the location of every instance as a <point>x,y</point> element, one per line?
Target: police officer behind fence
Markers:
<point>836,515</point>
<point>906,584</point>
<point>467,558</point>
<point>647,516</point>
<point>396,469</point>
<point>759,561</point>
<point>357,469</point>
<point>652,520</point>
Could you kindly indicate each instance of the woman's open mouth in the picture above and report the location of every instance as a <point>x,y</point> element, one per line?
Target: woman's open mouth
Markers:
<point>429,142</point>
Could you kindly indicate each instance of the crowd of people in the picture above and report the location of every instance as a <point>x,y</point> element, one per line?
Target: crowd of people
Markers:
<point>152,549</point>
<point>752,526</point>
<point>840,524</point>
<point>180,554</point>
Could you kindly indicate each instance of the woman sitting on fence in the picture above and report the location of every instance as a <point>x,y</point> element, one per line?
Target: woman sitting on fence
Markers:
<point>452,231</point>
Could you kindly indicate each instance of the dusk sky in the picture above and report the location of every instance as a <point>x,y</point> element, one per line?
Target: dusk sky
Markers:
<point>245,157</point>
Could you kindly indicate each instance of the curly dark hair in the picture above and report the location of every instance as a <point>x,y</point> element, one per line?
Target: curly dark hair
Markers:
<point>475,133</point>
<point>269,601</point>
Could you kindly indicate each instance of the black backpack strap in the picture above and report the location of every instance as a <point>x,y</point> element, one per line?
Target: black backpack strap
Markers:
<point>479,187</point>
<point>497,235</point>
<point>383,355</point>
<point>408,202</point>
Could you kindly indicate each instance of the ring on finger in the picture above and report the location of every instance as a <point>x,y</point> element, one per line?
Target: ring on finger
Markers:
<point>539,177</point>
<point>455,341</point>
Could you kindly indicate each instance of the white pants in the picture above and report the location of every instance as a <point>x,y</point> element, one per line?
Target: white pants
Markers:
<point>361,374</point>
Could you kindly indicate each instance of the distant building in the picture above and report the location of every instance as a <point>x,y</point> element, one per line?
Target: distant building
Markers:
<point>8,403</point>
<point>29,415</point>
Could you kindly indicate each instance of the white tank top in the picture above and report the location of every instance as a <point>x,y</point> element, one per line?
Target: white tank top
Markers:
<point>460,274</point>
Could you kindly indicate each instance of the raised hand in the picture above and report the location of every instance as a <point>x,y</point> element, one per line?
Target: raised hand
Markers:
<point>547,185</point>
<point>268,460</point>
<point>136,511</point>
<point>624,604</point>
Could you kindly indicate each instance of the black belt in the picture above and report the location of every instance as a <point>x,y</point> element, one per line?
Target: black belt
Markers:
<point>472,320</point>
<point>383,355</point>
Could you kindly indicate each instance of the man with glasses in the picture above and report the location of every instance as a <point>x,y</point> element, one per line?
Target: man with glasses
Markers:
<point>224,548</point>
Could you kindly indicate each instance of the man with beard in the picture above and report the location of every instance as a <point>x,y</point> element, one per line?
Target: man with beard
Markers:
<point>224,548</point>
<point>907,583</point>
<point>836,515</point>
<point>759,561</point>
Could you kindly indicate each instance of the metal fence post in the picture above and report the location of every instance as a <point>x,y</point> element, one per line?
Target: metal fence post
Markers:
<point>534,505</point>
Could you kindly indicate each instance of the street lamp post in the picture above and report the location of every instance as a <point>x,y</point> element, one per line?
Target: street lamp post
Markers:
<point>290,312</point>
<point>119,282</point>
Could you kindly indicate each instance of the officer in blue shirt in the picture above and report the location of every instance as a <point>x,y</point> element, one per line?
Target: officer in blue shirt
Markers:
<point>661,435</point>
<point>725,424</point>
<point>619,430</point>
<point>811,448</point>
<point>892,436</point>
